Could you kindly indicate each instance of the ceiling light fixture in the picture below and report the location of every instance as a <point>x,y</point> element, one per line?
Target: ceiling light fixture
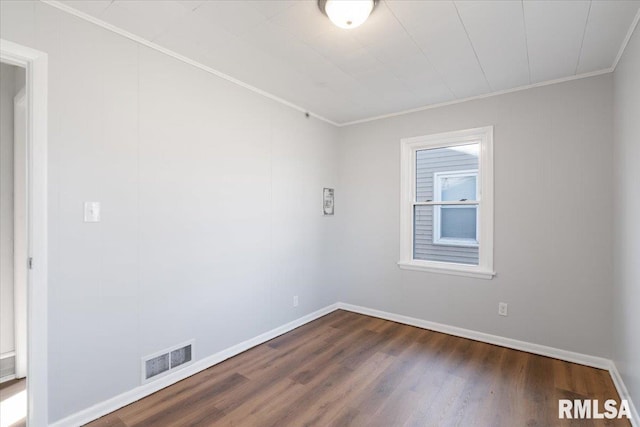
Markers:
<point>347,13</point>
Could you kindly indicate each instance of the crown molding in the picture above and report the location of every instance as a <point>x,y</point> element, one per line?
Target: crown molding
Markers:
<point>70,10</point>
<point>625,42</point>
<point>486,95</point>
<point>61,6</point>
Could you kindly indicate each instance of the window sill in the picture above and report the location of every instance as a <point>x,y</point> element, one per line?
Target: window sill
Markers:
<point>445,268</point>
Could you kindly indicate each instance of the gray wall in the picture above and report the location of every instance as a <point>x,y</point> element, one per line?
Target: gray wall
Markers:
<point>211,207</point>
<point>626,185</point>
<point>7,92</point>
<point>553,219</point>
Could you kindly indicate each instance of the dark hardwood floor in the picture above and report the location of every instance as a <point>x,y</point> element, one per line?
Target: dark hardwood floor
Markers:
<point>346,369</point>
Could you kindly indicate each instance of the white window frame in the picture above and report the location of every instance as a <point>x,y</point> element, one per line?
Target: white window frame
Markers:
<point>408,149</point>
<point>437,209</point>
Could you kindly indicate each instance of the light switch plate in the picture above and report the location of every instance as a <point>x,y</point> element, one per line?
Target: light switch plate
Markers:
<point>91,211</point>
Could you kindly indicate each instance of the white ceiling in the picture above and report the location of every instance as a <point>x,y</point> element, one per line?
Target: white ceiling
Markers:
<point>409,54</point>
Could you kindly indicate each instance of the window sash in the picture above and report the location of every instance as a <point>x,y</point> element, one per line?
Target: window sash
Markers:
<point>438,178</point>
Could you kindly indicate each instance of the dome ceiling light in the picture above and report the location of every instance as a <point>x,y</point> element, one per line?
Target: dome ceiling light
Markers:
<point>347,13</point>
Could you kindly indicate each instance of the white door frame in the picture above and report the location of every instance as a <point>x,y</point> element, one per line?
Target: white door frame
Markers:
<point>35,63</point>
<point>20,247</point>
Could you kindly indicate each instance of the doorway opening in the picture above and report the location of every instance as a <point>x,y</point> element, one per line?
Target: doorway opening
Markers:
<point>23,236</point>
<point>13,246</point>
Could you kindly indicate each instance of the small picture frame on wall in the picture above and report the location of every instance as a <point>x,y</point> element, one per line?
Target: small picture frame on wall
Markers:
<point>327,201</point>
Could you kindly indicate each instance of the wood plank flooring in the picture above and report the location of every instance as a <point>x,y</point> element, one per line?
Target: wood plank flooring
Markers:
<point>346,369</point>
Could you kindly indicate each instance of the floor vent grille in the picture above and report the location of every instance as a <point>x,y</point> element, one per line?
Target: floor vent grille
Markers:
<point>166,360</point>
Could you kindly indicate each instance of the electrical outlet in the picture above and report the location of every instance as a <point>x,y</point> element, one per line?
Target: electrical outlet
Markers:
<point>503,308</point>
<point>295,300</point>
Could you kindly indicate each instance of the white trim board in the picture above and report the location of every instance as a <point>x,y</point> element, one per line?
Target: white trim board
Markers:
<point>7,378</point>
<point>35,64</point>
<point>103,408</point>
<point>625,42</point>
<point>68,9</point>
<point>624,394</point>
<point>556,353</point>
<point>483,96</point>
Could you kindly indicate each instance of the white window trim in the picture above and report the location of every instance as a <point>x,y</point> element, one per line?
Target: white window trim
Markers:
<point>409,146</point>
<point>437,209</point>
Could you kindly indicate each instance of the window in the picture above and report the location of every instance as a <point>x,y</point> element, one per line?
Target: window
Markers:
<point>447,203</point>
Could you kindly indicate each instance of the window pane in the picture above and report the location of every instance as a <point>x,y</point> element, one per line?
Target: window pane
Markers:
<point>449,159</point>
<point>458,222</point>
<point>455,188</point>
<point>424,247</point>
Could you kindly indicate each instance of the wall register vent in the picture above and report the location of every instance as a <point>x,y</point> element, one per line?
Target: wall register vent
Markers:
<point>166,361</point>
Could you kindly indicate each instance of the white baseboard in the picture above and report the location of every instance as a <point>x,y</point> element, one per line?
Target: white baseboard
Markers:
<point>556,353</point>
<point>7,378</point>
<point>624,394</point>
<point>117,402</point>
<point>103,408</point>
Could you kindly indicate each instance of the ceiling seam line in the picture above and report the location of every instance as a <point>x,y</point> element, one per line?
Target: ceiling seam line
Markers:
<point>472,47</point>
<point>584,33</point>
<point>437,72</point>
